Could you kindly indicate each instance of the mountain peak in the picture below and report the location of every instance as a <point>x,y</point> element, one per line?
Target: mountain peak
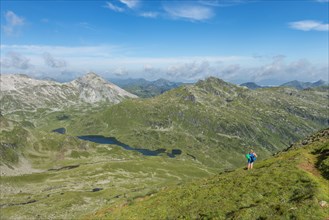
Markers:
<point>319,83</point>
<point>215,83</point>
<point>90,79</point>
<point>91,74</point>
<point>93,88</point>
<point>251,85</point>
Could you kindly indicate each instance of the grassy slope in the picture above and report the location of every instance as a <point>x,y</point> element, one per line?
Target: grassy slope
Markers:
<point>212,120</point>
<point>42,149</point>
<point>287,186</point>
<point>69,169</point>
<point>67,193</point>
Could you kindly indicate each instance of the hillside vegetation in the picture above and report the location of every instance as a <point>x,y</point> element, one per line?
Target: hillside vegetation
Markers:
<point>213,122</point>
<point>291,185</point>
<point>46,175</point>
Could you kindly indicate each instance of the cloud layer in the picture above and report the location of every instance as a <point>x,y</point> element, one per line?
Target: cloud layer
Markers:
<point>51,61</point>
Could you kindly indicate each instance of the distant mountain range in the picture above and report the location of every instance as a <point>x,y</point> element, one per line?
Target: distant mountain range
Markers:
<point>20,92</point>
<point>294,84</point>
<point>144,88</point>
<point>304,85</point>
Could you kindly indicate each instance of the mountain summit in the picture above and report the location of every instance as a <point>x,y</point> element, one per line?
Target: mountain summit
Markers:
<point>25,93</point>
<point>92,88</point>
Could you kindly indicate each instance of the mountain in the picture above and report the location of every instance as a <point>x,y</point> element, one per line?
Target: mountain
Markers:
<point>20,92</point>
<point>251,85</point>
<point>319,83</point>
<point>146,89</point>
<point>92,88</point>
<point>212,122</point>
<point>304,85</point>
<point>291,185</point>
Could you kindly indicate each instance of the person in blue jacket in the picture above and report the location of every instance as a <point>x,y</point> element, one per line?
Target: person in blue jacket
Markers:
<point>251,159</point>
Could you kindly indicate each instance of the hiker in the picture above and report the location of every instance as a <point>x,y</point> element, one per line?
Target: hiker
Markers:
<point>251,158</point>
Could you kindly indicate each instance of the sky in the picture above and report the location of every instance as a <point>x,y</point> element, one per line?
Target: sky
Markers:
<point>264,41</point>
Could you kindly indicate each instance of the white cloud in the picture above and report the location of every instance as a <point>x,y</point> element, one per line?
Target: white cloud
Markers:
<point>130,3</point>
<point>14,60</point>
<point>221,3</point>
<point>309,25</point>
<point>149,14</point>
<point>13,22</point>
<point>120,71</point>
<point>191,71</point>
<point>52,62</point>
<point>189,12</point>
<point>113,7</point>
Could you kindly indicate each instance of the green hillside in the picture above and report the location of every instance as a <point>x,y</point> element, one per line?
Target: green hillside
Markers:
<point>291,185</point>
<point>22,141</point>
<point>67,178</point>
<point>46,175</point>
<point>213,122</point>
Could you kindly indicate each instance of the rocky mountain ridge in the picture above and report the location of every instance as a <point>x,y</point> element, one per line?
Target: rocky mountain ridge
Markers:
<point>20,92</point>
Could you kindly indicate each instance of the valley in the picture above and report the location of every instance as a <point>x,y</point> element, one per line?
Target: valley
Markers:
<point>164,110</point>
<point>73,161</point>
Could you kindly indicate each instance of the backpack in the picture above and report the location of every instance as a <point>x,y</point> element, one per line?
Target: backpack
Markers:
<point>248,156</point>
<point>252,157</point>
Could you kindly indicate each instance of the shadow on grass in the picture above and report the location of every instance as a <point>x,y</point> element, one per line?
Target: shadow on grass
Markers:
<point>322,163</point>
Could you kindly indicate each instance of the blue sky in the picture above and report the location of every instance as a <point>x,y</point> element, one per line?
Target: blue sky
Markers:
<point>268,42</point>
